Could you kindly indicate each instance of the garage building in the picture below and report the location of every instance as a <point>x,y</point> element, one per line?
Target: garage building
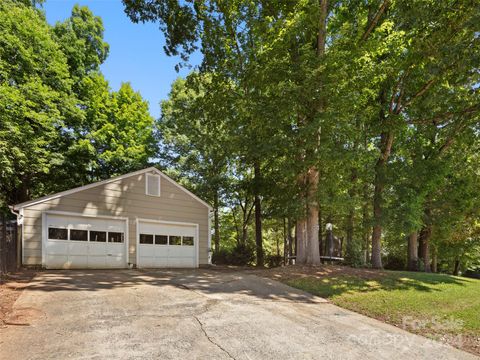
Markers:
<point>142,219</point>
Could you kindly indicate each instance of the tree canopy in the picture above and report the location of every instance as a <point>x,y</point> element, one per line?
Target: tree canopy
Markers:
<point>61,125</point>
<point>351,113</point>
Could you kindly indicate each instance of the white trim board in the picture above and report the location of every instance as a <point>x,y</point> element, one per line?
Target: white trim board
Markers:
<point>99,183</point>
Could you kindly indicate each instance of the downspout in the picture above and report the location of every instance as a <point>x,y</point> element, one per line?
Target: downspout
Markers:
<point>19,216</point>
<point>209,239</point>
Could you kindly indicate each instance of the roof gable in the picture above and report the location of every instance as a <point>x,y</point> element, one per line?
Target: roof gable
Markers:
<point>107,181</point>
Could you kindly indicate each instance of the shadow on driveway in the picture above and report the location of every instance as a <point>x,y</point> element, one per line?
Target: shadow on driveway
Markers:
<point>214,283</point>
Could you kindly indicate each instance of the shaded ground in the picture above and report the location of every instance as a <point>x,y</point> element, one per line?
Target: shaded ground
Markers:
<point>442,307</point>
<point>198,314</point>
<point>11,286</point>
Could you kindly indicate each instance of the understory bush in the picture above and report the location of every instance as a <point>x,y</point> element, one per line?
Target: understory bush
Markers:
<point>394,262</point>
<point>240,255</point>
<point>273,260</point>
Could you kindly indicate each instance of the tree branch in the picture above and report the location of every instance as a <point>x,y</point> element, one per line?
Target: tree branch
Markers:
<point>375,20</point>
<point>419,93</point>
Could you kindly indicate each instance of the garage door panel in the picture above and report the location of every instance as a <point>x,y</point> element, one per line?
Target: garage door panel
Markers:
<point>56,261</point>
<point>78,262</point>
<point>165,229</point>
<point>145,250</point>
<point>181,251</point>
<point>97,261</point>
<point>84,254</point>
<point>97,249</point>
<point>180,262</point>
<point>56,248</point>
<point>78,249</point>
<point>161,251</point>
<point>115,261</point>
<point>159,255</point>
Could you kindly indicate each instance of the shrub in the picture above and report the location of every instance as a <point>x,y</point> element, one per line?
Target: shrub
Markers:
<point>394,262</point>
<point>274,260</point>
<point>240,255</point>
<point>220,257</point>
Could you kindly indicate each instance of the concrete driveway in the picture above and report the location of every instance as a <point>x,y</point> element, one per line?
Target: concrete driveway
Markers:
<point>194,314</point>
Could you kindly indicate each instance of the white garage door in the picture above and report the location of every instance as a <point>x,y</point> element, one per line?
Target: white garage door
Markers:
<point>166,245</point>
<point>84,242</point>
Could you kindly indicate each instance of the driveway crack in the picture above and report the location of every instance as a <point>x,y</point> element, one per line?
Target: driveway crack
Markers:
<point>210,339</point>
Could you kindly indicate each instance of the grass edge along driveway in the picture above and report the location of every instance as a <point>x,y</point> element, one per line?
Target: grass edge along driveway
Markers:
<point>439,306</point>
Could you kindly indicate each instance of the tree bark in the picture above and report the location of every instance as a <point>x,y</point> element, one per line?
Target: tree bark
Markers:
<point>290,240</point>
<point>312,246</point>
<point>320,231</point>
<point>258,216</point>
<point>456,268</point>
<point>285,242</point>
<point>351,216</point>
<point>425,235</point>
<point>412,263</point>
<point>216,222</point>
<point>379,184</point>
<point>366,227</point>
<point>434,260</point>
<point>300,235</point>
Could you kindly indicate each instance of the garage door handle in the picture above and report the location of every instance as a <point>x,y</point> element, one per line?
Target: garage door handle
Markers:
<point>109,254</point>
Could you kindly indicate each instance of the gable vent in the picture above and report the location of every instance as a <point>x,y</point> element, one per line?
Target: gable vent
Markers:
<point>152,186</point>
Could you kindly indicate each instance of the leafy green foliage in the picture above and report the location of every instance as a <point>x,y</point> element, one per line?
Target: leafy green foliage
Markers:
<point>35,98</point>
<point>386,114</point>
<point>61,125</point>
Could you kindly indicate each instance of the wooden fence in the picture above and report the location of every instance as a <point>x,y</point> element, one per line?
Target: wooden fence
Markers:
<point>8,245</point>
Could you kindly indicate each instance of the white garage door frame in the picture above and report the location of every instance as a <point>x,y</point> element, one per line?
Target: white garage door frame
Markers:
<point>196,242</point>
<point>68,213</point>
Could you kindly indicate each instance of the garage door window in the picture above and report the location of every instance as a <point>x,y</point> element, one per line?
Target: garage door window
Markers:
<point>187,241</point>
<point>146,239</point>
<point>78,235</point>
<point>175,240</point>
<point>57,234</point>
<point>98,236</point>
<point>161,239</point>
<point>115,237</point>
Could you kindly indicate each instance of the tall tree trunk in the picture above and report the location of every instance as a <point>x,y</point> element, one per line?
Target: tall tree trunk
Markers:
<point>216,222</point>
<point>365,226</point>
<point>258,216</point>
<point>300,237</point>
<point>312,246</point>
<point>412,263</point>
<point>349,255</point>
<point>379,184</point>
<point>434,260</point>
<point>320,232</point>
<point>425,235</point>
<point>244,233</point>
<point>290,240</point>
<point>285,242</point>
<point>456,268</point>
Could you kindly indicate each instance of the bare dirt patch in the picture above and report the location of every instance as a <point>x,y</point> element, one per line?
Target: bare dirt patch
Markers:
<point>286,273</point>
<point>11,286</point>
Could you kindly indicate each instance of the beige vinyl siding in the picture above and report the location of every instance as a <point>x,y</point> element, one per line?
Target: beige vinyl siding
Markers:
<point>123,198</point>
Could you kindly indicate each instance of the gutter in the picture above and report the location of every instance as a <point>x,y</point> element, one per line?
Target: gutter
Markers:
<point>19,217</point>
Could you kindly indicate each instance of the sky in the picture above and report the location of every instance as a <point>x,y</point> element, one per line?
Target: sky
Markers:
<point>136,50</point>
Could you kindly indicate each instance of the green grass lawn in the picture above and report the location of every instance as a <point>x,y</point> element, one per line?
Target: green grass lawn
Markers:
<point>440,304</point>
